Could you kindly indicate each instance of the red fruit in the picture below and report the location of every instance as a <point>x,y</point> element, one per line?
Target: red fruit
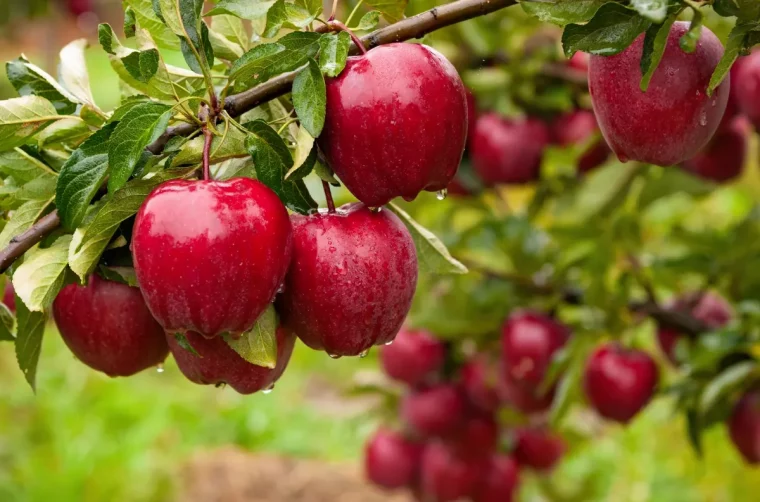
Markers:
<point>524,399</point>
<point>618,382</point>
<point>434,412</point>
<point>216,363</point>
<point>577,128</point>
<point>529,342</point>
<point>479,382</point>
<point>500,481</point>
<point>744,426</point>
<point>109,328</point>
<point>414,356</point>
<point>392,461</point>
<point>724,157</point>
<point>477,438</point>
<point>457,188</point>
<point>447,477</point>
<point>396,123</point>
<point>579,61</point>
<point>538,449</point>
<point>9,296</point>
<point>210,255</point>
<point>79,7</point>
<point>352,279</point>
<point>732,107</point>
<point>675,118</point>
<point>748,88</point>
<point>506,150</point>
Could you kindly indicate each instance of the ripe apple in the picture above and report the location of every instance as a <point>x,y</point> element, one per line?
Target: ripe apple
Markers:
<point>392,461</point>
<point>577,128</point>
<point>396,123</point>
<point>508,150</point>
<point>447,477</point>
<point>500,482</point>
<point>675,117</point>
<point>477,437</point>
<point>538,448</point>
<point>579,61</point>
<point>414,357</point>
<point>748,88</point>
<point>618,382</point>
<point>523,399</point>
<point>479,379</point>
<point>217,363</point>
<point>78,7</point>
<point>352,279</point>
<point>210,255</point>
<point>9,296</point>
<point>529,342</point>
<point>725,155</point>
<point>109,328</point>
<point>744,426</point>
<point>437,411</point>
<point>732,106</point>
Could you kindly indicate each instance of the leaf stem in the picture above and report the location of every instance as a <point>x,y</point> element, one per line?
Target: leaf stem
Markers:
<point>328,197</point>
<point>356,8</point>
<point>338,26</point>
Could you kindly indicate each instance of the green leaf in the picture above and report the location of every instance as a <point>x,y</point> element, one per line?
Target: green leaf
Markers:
<point>231,28</point>
<point>142,65</point>
<point>74,73</point>
<point>305,156</point>
<point>612,29</point>
<point>202,44</point>
<point>41,189</point>
<point>326,174</point>
<point>432,255</point>
<point>725,384</point>
<point>568,392</point>
<point>736,43</point>
<point>38,280</point>
<point>183,342</point>
<point>604,189</point>
<point>30,80</point>
<point>369,21</point>
<point>225,147</point>
<point>289,15</point>
<point>333,52</point>
<point>655,40</point>
<point>310,98</point>
<point>22,118</point>
<point>392,10</point>
<point>123,275</point>
<point>245,9</point>
<point>234,168</point>
<point>140,127</point>
<point>21,166</point>
<point>267,60</point>
<point>654,10</point>
<point>22,218</point>
<point>7,324</point>
<point>562,12</point>
<point>259,345</point>
<point>694,431</point>
<point>31,327</point>
<point>668,181</point>
<point>81,177</point>
<point>70,131</point>
<point>223,47</point>
<point>147,19</point>
<point>130,22</point>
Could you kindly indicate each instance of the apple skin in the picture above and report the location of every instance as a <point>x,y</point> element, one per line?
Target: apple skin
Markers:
<point>396,123</point>
<point>619,383</point>
<point>438,411</point>
<point>109,328</point>
<point>529,342</point>
<point>9,296</point>
<point>579,61</point>
<point>472,114</point>
<point>675,118</point>
<point>538,448</point>
<point>724,156</point>
<point>447,477</point>
<point>78,7</point>
<point>748,88</point>
<point>732,107</point>
<point>217,363</point>
<point>392,461</point>
<point>210,255</point>
<point>479,380</point>
<point>477,437</point>
<point>524,399</point>
<point>744,426</point>
<point>508,151</point>
<point>500,482</point>
<point>576,128</point>
<point>351,281</point>
<point>414,357</point>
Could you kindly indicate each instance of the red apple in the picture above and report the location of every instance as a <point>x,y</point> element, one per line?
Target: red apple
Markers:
<point>109,328</point>
<point>210,255</point>
<point>524,399</point>
<point>744,426</point>
<point>396,123</point>
<point>414,357</point>
<point>579,61</point>
<point>352,279</point>
<point>529,343</point>
<point>217,363</point>
<point>732,106</point>
<point>748,88</point>
<point>477,437</point>
<point>447,477</point>
<point>500,481</point>
<point>675,117</point>
<point>9,296</point>
<point>618,382</point>
<point>538,448</point>
<point>78,7</point>
<point>479,381</point>
<point>724,157</point>
<point>392,461</point>
<point>577,128</point>
<point>508,150</point>
<point>437,411</point>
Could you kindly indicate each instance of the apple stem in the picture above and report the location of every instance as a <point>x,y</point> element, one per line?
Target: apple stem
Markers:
<point>328,197</point>
<point>207,152</point>
<point>334,9</point>
<point>338,26</point>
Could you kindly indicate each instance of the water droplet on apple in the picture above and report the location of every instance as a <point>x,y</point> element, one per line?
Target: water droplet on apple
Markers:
<point>334,356</point>
<point>703,118</point>
<point>364,353</point>
<point>160,368</point>
<point>623,158</point>
<point>376,209</point>
<point>389,343</point>
<point>268,390</point>
<point>441,194</point>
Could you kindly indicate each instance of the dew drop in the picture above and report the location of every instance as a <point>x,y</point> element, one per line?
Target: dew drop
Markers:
<point>364,353</point>
<point>389,343</point>
<point>268,390</point>
<point>623,158</point>
<point>160,368</point>
<point>334,356</point>
<point>703,118</point>
<point>441,194</point>
<point>281,289</point>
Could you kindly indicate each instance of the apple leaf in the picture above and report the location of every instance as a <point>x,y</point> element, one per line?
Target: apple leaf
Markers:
<point>289,15</point>
<point>737,41</point>
<point>141,126</point>
<point>654,10</point>
<point>30,80</point>
<point>7,324</point>
<point>73,71</point>
<point>655,41</point>
<point>305,156</point>
<point>231,28</point>
<point>21,166</point>
<point>234,168</point>
<point>183,342</point>
<point>23,218</point>
<point>31,327</point>
<point>147,20</point>
<point>612,29</point>
<point>225,147</point>
<point>223,47</point>
<point>40,277</point>
<point>21,118</point>
<point>42,189</point>
<point>562,12</point>
<point>310,98</point>
<point>130,22</point>
<point>259,345</point>
<point>725,384</point>
<point>392,10</point>
<point>123,275</point>
<point>244,9</point>
<point>333,52</point>
<point>81,177</point>
<point>69,131</point>
<point>369,21</point>
<point>142,65</point>
<point>432,255</point>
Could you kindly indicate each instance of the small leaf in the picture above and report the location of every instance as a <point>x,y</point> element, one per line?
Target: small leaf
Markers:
<point>7,324</point>
<point>41,189</point>
<point>432,255</point>
<point>245,9</point>
<point>224,147</point>
<point>21,166</point>
<point>183,342</point>
<point>267,60</point>
<point>655,41</point>
<point>69,131</point>
<point>654,10</point>
<point>568,392</point>
<point>73,71</point>
<point>326,174</point>
<point>31,327</point>
<point>140,127</point>
<point>30,80</point>
<point>38,280</point>
<point>22,218</point>
<point>147,20</point>
<point>694,431</point>
<point>369,21</point>
<point>142,65</point>
<point>130,22</point>
<point>223,47</point>
<point>310,98</point>
<point>736,43</point>
<point>289,15</point>
<point>333,52</point>
<point>231,28</point>
<point>392,10</point>
<point>562,12</point>
<point>123,275</point>
<point>604,189</point>
<point>725,384</point>
<point>612,29</point>
<point>22,118</point>
<point>305,156</point>
<point>259,345</point>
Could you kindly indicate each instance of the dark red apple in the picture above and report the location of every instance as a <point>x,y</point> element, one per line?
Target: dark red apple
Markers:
<point>538,448</point>
<point>577,128</point>
<point>675,117</point>
<point>352,279</point>
<point>438,411</point>
<point>9,296</point>
<point>508,150</point>
<point>479,381</point>
<point>618,383</point>
<point>414,357</point>
<point>748,88</point>
<point>396,123</point>
<point>732,106</point>
<point>500,481</point>
<point>217,363</point>
<point>579,61</point>
<point>529,342</point>
<point>477,437</point>
<point>447,477</point>
<point>78,7</point>
<point>725,155</point>
<point>392,461</point>
<point>744,426</point>
<point>523,399</point>
<point>109,328</point>
<point>210,255</point>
